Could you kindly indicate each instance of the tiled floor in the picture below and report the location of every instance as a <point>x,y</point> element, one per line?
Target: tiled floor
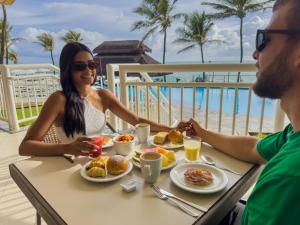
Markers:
<point>15,209</point>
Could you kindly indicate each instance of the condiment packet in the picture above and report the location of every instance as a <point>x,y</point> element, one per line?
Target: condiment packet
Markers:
<point>129,186</point>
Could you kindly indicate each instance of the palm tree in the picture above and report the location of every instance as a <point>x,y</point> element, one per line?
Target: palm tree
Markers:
<point>13,56</point>
<point>8,40</point>
<point>237,8</point>
<point>71,36</point>
<point>47,42</point>
<point>194,32</point>
<point>2,49</point>
<point>158,15</point>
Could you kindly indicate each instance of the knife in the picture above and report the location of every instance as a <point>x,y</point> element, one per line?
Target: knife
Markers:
<point>203,209</point>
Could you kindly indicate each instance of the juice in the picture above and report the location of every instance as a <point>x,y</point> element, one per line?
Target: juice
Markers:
<point>99,142</point>
<point>192,150</point>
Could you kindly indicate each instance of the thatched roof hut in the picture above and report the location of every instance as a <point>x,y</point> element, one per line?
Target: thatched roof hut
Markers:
<point>129,51</point>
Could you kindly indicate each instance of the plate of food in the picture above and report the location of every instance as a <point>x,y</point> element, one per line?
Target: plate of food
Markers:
<point>168,157</point>
<point>168,140</point>
<point>198,178</point>
<point>106,168</point>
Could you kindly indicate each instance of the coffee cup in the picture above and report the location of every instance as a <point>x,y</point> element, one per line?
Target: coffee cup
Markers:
<point>142,131</point>
<point>151,166</point>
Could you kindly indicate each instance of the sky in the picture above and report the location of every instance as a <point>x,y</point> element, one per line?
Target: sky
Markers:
<point>102,20</point>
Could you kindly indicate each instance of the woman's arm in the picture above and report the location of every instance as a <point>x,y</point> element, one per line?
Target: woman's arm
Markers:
<point>117,108</point>
<point>33,144</point>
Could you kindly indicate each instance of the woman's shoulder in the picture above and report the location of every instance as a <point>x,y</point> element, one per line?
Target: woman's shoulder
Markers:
<point>105,93</point>
<point>57,97</point>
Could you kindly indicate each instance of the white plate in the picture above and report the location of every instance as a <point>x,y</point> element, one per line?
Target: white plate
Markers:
<point>164,168</point>
<point>167,145</point>
<point>220,179</point>
<point>107,178</point>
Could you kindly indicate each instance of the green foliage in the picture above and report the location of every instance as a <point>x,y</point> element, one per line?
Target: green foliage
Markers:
<point>195,31</point>
<point>27,114</point>
<point>47,42</point>
<point>237,8</point>
<point>158,17</point>
<point>71,36</point>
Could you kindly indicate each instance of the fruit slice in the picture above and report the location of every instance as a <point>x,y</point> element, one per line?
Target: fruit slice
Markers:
<point>171,155</point>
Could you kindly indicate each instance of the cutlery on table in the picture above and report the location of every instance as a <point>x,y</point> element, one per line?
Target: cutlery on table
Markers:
<point>168,194</point>
<point>181,206</point>
<point>211,162</point>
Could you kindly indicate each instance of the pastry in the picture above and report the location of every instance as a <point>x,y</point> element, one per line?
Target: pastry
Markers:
<point>175,136</point>
<point>117,164</point>
<point>160,138</point>
<point>96,172</point>
<point>197,176</point>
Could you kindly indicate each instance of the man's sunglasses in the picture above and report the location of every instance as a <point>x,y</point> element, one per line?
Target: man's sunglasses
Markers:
<point>81,66</point>
<point>262,36</point>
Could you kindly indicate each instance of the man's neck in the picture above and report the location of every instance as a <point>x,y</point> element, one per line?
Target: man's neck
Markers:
<point>291,106</point>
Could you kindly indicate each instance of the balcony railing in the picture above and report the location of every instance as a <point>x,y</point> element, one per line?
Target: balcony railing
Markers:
<point>24,88</point>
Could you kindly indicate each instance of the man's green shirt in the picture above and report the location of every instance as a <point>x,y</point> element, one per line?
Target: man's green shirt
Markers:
<point>276,197</point>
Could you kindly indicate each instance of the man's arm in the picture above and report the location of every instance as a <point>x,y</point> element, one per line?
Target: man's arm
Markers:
<point>240,147</point>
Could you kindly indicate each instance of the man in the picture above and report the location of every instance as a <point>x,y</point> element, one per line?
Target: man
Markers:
<point>276,197</point>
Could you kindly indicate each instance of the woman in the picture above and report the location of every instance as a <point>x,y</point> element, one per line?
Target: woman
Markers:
<point>77,111</point>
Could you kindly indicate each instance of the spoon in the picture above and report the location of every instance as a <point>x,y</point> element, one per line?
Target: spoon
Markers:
<point>210,161</point>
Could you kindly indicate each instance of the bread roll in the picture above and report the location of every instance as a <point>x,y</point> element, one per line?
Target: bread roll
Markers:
<point>175,136</point>
<point>117,164</point>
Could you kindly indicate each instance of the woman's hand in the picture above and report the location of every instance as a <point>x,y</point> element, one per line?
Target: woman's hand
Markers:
<point>197,129</point>
<point>82,146</point>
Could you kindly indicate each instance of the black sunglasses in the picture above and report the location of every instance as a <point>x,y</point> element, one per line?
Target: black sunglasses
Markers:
<point>81,66</point>
<point>262,36</point>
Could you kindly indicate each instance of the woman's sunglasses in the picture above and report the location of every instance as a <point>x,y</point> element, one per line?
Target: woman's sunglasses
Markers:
<point>81,66</point>
<point>262,37</point>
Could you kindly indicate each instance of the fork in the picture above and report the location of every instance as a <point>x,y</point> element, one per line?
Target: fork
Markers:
<point>170,195</point>
<point>182,207</point>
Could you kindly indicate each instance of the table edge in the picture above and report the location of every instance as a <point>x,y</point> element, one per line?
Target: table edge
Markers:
<point>42,207</point>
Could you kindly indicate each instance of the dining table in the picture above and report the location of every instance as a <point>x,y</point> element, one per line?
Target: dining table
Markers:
<point>62,196</point>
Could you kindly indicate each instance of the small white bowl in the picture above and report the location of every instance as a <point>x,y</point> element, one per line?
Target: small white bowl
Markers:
<point>122,147</point>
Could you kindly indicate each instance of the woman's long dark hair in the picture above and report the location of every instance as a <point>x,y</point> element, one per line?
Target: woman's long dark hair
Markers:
<point>73,120</point>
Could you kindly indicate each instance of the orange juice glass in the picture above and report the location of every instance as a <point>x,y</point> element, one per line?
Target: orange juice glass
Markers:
<point>192,150</point>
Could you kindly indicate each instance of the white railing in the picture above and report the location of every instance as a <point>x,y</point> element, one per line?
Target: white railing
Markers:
<point>141,100</point>
<point>24,89</point>
<point>207,118</point>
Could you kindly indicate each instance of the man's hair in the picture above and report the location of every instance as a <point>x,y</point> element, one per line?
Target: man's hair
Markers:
<point>293,17</point>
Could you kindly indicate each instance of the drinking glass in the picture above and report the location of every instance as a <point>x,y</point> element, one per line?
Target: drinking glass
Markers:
<point>192,150</point>
<point>99,142</point>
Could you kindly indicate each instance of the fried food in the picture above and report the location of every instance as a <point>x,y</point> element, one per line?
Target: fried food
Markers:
<point>197,176</point>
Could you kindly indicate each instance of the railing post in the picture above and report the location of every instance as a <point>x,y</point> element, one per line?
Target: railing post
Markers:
<point>123,93</point>
<point>112,87</point>
<point>10,100</point>
<point>279,118</point>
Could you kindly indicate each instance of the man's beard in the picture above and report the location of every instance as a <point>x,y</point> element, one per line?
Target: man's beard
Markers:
<point>276,79</point>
